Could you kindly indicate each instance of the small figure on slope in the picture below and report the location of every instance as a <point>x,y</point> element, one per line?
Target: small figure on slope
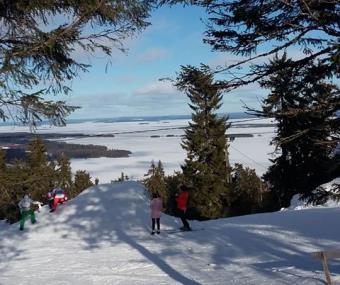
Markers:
<point>182,201</point>
<point>56,196</point>
<point>26,211</point>
<point>156,207</point>
<point>50,198</point>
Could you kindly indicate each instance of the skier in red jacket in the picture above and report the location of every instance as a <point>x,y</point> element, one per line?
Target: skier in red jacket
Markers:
<point>56,196</point>
<point>182,201</point>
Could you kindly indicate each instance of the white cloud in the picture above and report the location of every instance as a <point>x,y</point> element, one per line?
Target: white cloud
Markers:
<point>127,79</point>
<point>222,60</point>
<point>157,88</point>
<point>154,98</point>
<point>159,97</point>
<point>161,24</point>
<point>152,55</point>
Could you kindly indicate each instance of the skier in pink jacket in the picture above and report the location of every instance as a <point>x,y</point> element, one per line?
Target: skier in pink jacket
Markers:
<point>156,207</point>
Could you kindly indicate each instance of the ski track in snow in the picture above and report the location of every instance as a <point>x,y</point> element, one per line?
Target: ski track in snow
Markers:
<point>103,237</point>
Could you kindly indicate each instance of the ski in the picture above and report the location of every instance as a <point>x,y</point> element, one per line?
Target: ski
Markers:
<point>174,231</point>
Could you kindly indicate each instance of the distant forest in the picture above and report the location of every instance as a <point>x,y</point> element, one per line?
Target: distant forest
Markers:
<point>83,151</point>
<point>17,144</point>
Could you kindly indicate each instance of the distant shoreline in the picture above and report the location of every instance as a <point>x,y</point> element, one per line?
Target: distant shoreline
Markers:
<point>236,115</point>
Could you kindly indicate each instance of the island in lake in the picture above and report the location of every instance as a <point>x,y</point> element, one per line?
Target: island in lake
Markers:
<point>15,145</point>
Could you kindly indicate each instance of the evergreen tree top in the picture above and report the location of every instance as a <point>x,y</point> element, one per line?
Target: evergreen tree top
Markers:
<point>37,43</point>
<point>256,30</point>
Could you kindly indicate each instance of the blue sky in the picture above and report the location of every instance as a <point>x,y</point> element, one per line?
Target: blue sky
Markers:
<point>130,85</point>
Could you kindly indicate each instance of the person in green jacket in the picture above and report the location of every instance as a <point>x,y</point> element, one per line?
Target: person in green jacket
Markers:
<point>26,211</point>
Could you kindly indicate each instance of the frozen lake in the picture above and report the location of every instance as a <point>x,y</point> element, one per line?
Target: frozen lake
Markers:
<point>165,145</point>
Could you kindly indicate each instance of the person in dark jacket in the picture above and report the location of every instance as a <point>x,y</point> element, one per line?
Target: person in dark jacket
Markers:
<point>182,201</point>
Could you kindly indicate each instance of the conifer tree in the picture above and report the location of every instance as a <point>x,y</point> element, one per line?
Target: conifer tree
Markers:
<point>64,174</point>
<point>206,169</point>
<point>160,168</point>
<point>35,175</point>
<point>255,30</point>
<point>38,168</point>
<point>172,183</point>
<point>3,184</point>
<point>2,161</point>
<point>3,172</point>
<point>53,173</point>
<point>304,104</point>
<point>37,43</point>
<point>82,180</point>
<point>14,177</point>
<point>247,191</point>
<point>37,153</point>
<point>155,180</point>
<point>122,177</point>
<point>162,188</point>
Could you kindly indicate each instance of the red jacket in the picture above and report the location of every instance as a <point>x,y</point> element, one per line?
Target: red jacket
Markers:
<point>182,200</point>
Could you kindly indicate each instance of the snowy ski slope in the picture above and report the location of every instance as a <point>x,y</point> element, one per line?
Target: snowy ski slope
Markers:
<point>102,237</point>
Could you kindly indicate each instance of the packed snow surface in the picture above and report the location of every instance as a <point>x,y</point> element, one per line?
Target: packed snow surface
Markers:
<point>103,237</point>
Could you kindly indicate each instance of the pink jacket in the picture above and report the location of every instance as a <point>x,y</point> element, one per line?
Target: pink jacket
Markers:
<point>156,207</point>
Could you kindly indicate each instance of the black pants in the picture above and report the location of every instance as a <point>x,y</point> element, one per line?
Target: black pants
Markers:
<point>157,220</point>
<point>182,215</point>
<point>50,203</point>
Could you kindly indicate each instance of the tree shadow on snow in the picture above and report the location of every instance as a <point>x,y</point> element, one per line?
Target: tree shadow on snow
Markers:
<point>101,217</point>
<point>111,215</point>
<point>122,217</point>
<point>10,250</point>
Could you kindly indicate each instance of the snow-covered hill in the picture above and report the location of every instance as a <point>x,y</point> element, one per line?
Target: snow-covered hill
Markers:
<point>102,237</point>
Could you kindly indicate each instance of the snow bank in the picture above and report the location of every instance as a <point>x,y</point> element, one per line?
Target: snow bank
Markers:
<point>297,204</point>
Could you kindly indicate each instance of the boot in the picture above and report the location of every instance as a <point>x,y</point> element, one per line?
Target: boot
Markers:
<point>185,229</point>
